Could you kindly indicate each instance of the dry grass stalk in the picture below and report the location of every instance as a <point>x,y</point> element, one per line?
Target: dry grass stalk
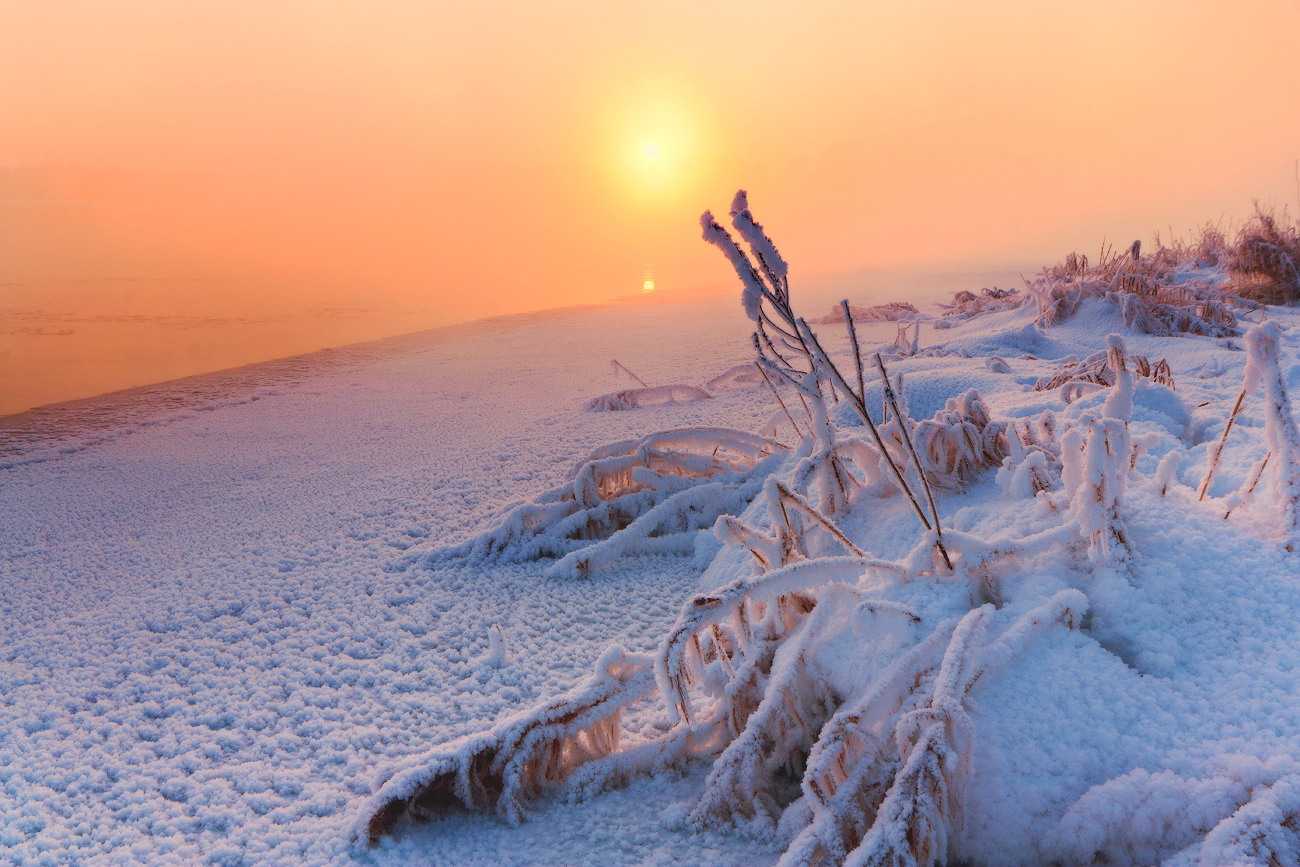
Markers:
<point>1256,473</point>
<point>1097,370</point>
<point>907,438</point>
<point>857,351</point>
<point>1212,462</point>
<point>860,405</point>
<point>777,395</point>
<point>1266,259</point>
<point>617,367</point>
<point>791,345</point>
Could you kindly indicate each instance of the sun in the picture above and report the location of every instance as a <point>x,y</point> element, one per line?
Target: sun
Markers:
<point>655,141</point>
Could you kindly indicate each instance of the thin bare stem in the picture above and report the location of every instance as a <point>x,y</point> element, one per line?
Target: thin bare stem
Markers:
<point>857,353</point>
<point>1213,462</point>
<point>776,395</point>
<point>1254,482</point>
<point>798,389</point>
<point>916,460</point>
<point>614,361</point>
<point>788,496</point>
<point>770,345</point>
<point>871,425</point>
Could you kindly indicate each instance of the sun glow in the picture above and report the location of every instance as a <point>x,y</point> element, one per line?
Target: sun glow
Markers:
<point>658,139</point>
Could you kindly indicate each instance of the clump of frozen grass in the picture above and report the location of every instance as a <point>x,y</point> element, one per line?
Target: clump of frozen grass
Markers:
<point>959,443</point>
<point>502,769</point>
<point>1157,294</point>
<point>1265,261</point>
<point>811,667</point>
<point>1033,462</point>
<point>1102,370</point>
<point>1188,287</point>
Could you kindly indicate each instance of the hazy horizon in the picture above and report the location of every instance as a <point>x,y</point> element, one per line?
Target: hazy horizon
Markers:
<point>323,173</point>
<point>91,347</point>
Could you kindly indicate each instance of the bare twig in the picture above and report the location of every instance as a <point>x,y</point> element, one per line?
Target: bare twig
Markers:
<point>614,361</point>
<point>1254,482</point>
<point>797,432</point>
<point>907,438</point>
<point>1213,462</point>
<point>857,353</point>
<point>788,496</point>
<point>858,404</point>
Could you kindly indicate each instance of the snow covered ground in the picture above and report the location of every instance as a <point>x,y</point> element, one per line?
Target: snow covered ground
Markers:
<point>215,639</point>
<point>205,651</point>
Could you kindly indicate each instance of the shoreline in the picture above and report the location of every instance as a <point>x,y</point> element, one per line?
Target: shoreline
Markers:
<point>63,417</point>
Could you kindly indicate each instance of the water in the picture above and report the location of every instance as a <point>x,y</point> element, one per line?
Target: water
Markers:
<point>82,339</point>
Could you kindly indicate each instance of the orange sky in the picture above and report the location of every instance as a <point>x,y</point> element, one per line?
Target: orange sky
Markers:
<point>466,159</point>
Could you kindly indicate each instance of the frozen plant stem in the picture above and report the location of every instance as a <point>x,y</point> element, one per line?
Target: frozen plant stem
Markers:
<point>1213,463</point>
<point>788,497</point>
<point>814,344</point>
<point>907,438</point>
<point>1254,482</point>
<point>776,395</point>
<point>617,367</point>
<point>857,353</point>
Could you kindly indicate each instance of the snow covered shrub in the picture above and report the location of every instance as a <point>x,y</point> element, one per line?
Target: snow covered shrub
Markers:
<point>1156,294</point>
<point>633,398</point>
